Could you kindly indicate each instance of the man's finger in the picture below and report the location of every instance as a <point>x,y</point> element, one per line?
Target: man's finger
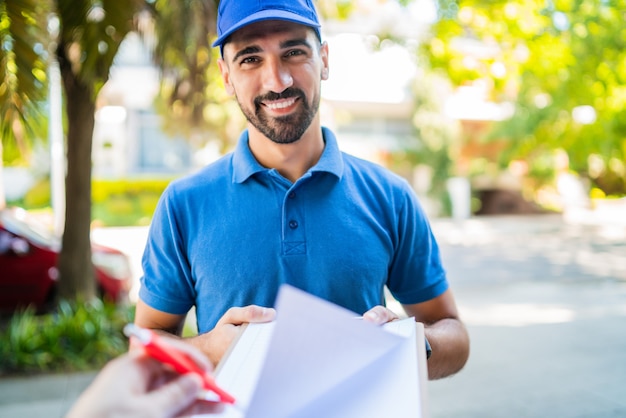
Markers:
<point>379,315</point>
<point>251,313</point>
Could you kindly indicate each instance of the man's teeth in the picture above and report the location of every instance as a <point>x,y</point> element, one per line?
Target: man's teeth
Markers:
<point>281,105</point>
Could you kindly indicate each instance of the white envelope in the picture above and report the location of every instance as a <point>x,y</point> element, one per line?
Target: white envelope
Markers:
<point>319,360</point>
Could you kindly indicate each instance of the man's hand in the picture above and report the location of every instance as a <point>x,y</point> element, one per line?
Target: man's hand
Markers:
<point>379,315</point>
<point>215,342</point>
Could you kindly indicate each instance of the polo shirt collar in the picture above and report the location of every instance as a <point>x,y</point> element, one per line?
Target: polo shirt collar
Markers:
<point>245,165</point>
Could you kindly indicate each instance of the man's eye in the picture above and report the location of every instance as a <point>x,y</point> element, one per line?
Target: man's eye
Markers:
<point>294,52</point>
<point>249,60</point>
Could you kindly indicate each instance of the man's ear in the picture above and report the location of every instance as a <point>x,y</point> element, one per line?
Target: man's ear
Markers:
<point>225,76</point>
<point>324,57</point>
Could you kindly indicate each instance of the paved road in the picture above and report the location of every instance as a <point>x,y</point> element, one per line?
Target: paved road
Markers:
<point>545,303</point>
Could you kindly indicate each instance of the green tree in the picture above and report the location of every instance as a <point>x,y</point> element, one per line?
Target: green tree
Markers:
<point>563,65</point>
<point>87,36</point>
<point>192,100</point>
<point>22,74</point>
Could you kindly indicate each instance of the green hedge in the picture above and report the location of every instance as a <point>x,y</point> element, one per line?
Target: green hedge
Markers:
<point>125,202</point>
<point>121,202</point>
<point>75,337</point>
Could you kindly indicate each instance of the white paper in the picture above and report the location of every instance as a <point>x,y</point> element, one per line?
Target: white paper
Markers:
<point>317,360</point>
<point>239,376</point>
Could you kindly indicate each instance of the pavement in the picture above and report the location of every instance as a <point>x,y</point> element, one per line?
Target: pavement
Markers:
<point>545,305</point>
<point>544,300</point>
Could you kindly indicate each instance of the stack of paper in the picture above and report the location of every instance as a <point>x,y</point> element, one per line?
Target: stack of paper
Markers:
<point>319,360</point>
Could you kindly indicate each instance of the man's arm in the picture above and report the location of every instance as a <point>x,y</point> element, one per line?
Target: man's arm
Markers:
<point>445,332</point>
<point>213,343</point>
<point>148,317</point>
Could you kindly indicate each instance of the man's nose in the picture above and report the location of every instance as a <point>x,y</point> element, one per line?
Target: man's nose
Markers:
<point>276,76</point>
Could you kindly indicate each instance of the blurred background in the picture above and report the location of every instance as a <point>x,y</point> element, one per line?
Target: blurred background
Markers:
<point>521,102</point>
<point>507,117</point>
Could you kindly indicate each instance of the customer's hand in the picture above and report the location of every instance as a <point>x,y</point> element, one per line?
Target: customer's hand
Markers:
<point>135,385</point>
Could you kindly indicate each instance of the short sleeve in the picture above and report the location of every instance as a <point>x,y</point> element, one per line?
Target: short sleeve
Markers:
<point>416,274</point>
<point>167,283</point>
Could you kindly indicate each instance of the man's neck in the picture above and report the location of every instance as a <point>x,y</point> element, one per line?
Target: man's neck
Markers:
<point>291,160</point>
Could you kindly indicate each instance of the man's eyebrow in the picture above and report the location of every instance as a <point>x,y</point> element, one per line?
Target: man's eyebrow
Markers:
<point>247,50</point>
<point>252,49</point>
<point>296,42</point>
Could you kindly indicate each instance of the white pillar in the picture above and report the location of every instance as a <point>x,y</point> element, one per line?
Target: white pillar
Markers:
<point>460,193</point>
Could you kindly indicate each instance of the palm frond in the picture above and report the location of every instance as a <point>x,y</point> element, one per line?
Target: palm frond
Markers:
<point>23,59</point>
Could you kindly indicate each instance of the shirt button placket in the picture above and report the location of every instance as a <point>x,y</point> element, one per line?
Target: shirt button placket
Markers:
<point>294,236</point>
<point>292,217</point>
<point>293,224</point>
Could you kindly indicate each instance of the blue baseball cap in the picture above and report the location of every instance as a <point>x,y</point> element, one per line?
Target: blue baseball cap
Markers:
<point>235,14</point>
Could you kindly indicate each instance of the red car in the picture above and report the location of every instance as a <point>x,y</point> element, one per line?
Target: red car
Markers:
<point>28,258</point>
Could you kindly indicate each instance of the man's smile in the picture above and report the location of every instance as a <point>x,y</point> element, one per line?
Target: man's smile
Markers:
<point>280,104</point>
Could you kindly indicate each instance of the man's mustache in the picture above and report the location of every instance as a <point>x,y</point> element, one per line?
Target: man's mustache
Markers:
<point>285,94</point>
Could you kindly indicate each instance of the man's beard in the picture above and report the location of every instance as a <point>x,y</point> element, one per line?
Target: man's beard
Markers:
<point>284,129</point>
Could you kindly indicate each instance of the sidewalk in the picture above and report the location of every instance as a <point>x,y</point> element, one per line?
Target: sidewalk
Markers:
<point>545,304</point>
<point>41,396</point>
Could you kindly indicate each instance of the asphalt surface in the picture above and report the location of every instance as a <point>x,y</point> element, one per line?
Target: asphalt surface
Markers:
<point>545,304</point>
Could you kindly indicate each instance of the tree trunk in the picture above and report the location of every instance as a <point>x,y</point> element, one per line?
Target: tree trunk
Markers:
<point>77,278</point>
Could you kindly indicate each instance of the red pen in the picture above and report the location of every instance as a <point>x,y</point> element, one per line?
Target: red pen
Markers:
<point>175,358</point>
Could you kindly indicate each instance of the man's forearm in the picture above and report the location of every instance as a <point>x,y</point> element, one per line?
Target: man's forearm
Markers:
<point>449,342</point>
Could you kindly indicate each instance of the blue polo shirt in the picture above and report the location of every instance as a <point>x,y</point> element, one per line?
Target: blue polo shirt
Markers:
<point>232,233</point>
